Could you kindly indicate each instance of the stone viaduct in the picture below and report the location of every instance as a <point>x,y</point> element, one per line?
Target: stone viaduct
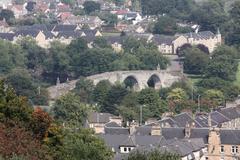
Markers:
<point>138,80</point>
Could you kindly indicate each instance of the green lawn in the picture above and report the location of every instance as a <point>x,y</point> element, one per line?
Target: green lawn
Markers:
<point>237,81</point>
<point>194,78</point>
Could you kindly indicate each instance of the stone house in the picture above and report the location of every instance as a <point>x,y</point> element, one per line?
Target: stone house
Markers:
<point>171,45</point>
<point>97,121</point>
<point>18,10</point>
<point>92,22</point>
<point>43,39</point>
<point>115,42</point>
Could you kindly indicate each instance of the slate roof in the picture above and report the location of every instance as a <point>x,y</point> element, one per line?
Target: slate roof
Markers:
<point>60,27</point>
<point>32,33</point>
<point>116,130</point>
<point>112,124</point>
<point>114,39</point>
<point>231,112</point>
<point>7,36</point>
<point>184,118</point>
<point>95,117</point>
<point>68,34</point>
<point>160,39</point>
<point>200,35</point>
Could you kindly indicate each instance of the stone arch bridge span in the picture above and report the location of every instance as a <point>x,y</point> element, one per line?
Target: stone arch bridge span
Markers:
<point>141,79</point>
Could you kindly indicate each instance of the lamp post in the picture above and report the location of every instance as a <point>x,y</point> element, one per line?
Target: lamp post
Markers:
<point>199,103</point>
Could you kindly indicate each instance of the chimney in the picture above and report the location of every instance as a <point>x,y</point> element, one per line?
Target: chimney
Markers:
<point>132,127</point>
<point>187,130</point>
<point>156,130</point>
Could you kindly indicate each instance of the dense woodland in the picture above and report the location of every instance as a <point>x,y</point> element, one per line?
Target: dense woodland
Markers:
<point>27,69</point>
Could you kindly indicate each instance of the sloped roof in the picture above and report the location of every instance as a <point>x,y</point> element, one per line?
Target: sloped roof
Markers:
<point>7,36</point>
<point>95,117</point>
<point>65,28</point>
<point>161,39</point>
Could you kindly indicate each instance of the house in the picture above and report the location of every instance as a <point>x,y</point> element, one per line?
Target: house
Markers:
<point>5,3</point>
<point>97,121</point>
<point>172,44</point>
<point>4,27</point>
<point>18,10</point>
<point>115,42</point>
<point>64,28</point>
<point>43,38</point>
<point>92,22</point>
<point>224,118</point>
<point>7,36</point>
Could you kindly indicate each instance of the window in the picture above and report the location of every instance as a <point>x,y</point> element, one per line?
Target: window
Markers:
<point>234,149</point>
<point>125,149</point>
<point>222,149</point>
<point>129,149</point>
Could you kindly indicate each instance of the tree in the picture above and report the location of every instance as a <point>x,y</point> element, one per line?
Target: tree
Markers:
<point>17,141</point>
<point>100,92</point>
<point>195,61</point>
<point>69,2</point>
<point>57,63</point>
<point>70,111</point>
<point>13,107</point>
<point>91,6</point>
<point>210,15</point>
<point>101,42</point>
<point>84,89</point>
<point>165,25</point>
<point>152,155</point>
<point>176,95</point>
<point>114,99</point>
<point>6,14</point>
<point>40,123</point>
<point>82,144</point>
<point>24,85</point>
<point>214,95</point>
<point>152,105</point>
<point>109,19</point>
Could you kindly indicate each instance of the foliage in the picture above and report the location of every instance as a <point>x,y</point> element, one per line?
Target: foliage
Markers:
<point>13,107</point>
<point>100,92</point>
<point>6,14</point>
<point>40,122</point>
<point>195,61</point>
<point>165,25</point>
<point>24,85</point>
<point>152,155</point>
<point>70,111</point>
<point>16,140</point>
<point>84,89</point>
<point>91,6</point>
<point>84,145</point>
<point>114,98</point>
<point>214,95</point>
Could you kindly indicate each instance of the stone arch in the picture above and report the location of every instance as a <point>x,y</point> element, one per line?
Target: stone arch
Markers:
<point>182,48</point>
<point>131,82</point>
<point>203,48</point>
<point>154,82</point>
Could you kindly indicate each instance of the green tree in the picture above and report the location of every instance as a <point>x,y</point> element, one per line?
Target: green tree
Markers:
<point>6,14</point>
<point>57,63</point>
<point>176,95</point>
<point>214,95</point>
<point>153,155</point>
<point>114,99</point>
<point>101,42</point>
<point>91,6</point>
<point>152,105</point>
<point>195,61</point>
<point>24,85</point>
<point>210,15</point>
<point>70,111</point>
<point>100,92</point>
<point>83,144</point>
<point>165,25</point>
<point>13,107</point>
<point>84,89</point>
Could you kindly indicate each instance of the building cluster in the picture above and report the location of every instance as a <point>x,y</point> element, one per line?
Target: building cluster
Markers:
<point>213,136</point>
<point>69,26</point>
<point>65,33</point>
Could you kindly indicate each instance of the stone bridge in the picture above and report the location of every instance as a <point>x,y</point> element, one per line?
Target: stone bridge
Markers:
<point>137,80</point>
